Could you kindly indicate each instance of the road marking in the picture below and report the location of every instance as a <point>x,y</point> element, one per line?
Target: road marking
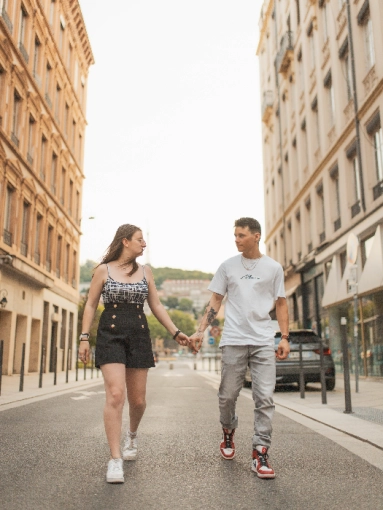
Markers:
<point>79,398</point>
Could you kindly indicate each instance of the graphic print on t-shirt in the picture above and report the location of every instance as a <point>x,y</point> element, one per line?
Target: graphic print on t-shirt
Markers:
<point>250,277</point>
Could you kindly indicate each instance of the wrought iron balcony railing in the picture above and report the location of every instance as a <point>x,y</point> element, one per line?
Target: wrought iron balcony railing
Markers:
<point>337,224</point>
<point>7,237</point>
<point>355,209</point>
<point>23,249</point>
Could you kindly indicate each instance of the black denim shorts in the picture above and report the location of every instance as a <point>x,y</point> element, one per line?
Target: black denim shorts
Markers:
<point>123,336</point>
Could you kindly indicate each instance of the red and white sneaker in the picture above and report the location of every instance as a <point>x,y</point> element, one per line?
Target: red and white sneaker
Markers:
<point>227,445</point>
<point>260,464</point>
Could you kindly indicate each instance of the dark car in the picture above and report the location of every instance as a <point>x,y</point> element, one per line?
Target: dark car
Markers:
<point>288,369</point>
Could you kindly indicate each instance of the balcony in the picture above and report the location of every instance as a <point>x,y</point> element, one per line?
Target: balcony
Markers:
<point>7,237</point>
<point>24,52</point>
<point>267,105</point>
<point>23,249</point>
<point>378,190</point>
<point>337,224</point>
<point>15,140</point>
<point>355,209</point>
<point>285,53</point>
<point>7,20</point>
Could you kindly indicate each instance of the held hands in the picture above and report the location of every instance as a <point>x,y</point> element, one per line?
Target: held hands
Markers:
<point>283,349</point>
<point>182,339</point>
<point>196,341</point>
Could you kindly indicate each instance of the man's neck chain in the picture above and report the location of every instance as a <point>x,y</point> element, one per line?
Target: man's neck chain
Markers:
<point>252,265</point>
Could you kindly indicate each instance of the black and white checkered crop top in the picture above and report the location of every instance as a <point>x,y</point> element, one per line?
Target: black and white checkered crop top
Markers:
<point>119,292</point>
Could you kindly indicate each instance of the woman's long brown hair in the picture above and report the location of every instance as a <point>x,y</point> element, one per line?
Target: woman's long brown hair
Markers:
<point>115,248</point>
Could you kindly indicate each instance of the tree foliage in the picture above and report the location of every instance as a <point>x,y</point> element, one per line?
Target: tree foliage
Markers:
<point>167,273</point>
<point>185,304</point>
<point>184,321</point>
<point>86,271</point>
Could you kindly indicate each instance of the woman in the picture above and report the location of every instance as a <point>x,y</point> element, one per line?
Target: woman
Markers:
<point>123,349</point>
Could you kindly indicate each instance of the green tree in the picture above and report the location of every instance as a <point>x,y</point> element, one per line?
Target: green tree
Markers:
<point>171,302</point>
<point>185,304</point>
<point>184,321</point>
<point>86,271</point>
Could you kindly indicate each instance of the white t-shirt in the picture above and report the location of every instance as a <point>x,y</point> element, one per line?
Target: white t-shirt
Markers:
<point>250,298</point>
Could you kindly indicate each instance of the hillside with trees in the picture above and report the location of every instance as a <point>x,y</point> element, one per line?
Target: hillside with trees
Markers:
<point>160,273</point>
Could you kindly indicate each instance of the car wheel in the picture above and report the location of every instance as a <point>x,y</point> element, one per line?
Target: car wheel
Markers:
<point>330,384</point>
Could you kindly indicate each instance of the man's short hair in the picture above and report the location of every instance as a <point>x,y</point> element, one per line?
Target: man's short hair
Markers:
<point>253,225</point>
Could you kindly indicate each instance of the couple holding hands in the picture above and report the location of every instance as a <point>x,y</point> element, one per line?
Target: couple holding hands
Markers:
<point>253,285</point>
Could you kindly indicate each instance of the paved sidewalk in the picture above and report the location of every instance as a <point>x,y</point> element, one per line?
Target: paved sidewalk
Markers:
<point>12,397</point>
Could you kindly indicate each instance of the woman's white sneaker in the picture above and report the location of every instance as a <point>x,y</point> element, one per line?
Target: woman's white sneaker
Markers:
<point>130,449</point>
<point>115,473</point>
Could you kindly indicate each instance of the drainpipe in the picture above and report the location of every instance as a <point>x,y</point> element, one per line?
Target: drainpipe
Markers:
<point>356,108</point>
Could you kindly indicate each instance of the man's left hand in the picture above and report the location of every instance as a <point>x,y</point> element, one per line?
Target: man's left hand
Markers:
<point>283,349</point>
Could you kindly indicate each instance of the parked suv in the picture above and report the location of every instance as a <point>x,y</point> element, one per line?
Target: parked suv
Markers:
<point>288,369</point>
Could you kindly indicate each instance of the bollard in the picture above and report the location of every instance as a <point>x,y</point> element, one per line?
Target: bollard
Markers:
<point>195,368</point>
<point>21,386</point>
<point>1,362</point>
<point>77,365</point>
<point>55,369</point>
<point>346,365</point>
<point>67,366</point>
<point>170,366</point>
<point>301,372</point>
<point>322,375</point>
<point>41,366</point>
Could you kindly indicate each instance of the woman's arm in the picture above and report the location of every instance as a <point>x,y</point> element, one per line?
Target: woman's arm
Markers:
<point>94,294</point>
<point>159,310</point>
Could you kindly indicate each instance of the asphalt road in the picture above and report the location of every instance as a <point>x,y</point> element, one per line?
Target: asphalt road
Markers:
<point>53,455</point>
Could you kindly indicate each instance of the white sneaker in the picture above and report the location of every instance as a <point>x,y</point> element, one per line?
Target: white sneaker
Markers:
<point>130,449</point>
<point>115,473</point>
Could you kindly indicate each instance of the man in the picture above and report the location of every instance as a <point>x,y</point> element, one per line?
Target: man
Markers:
<point>253,284</point>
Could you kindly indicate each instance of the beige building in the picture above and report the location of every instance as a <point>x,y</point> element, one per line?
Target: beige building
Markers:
<point>45,56</point>
<point>322,92</point>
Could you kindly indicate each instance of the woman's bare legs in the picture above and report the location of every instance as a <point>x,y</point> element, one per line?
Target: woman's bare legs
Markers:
<point>136,388</point>
<point>114,381</point>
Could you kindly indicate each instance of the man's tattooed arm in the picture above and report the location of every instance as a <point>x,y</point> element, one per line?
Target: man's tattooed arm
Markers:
<point>211,314</point>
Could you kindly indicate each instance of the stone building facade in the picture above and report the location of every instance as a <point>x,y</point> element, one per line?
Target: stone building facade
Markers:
<point>45,57</point>
<point>322,94</point>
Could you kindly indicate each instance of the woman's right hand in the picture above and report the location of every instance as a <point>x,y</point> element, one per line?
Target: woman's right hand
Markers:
<point>83,351</point>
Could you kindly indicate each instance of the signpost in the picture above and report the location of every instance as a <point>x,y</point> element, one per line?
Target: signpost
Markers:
<point>352,254</point>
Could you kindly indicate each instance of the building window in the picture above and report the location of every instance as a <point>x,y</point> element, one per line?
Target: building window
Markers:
<point>298,11</point>
<point>62,186</point>
<point>374,129</point>
<point>25,229</point>
<point>309,229</point>
<point>42,157</point>
<point>8,216</point>
<point>36,60</point>
<point>16,117</point>
<point>80,148</point>
<point>70,204</point>
<point>344,55</point>
<point>356,188</point>
<point>66,120</point>
<point>31,136</point>
<point>61,34</point>
<point>343,262</point>
<point>57,102</point>
<point>48,84</point>
<point>53,173</point>
<point>39,219</point>
<point>310,33</point>
<point>334,175</point>
<point>331,97</point>
<point>48,254</point>
<point>323,6</point>
<point>369,43</point>
<point>77,217</point>
<point>304,145</point>
<point>66,264</point>
<point>314,108</point>
<point>22,32</point>
<point>321,214</point>
<point>365,248</point>
<point>69,58</point>
<point>58,256</point>
<point>74,269</point>
<point>73,135</point>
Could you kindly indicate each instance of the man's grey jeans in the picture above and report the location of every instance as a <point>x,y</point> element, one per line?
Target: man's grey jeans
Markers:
<point>261,360</point>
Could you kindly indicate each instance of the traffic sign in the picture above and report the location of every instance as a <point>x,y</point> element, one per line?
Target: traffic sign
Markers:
<point>211,340</point>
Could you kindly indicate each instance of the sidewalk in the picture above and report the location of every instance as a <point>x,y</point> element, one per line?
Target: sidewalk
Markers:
<point>11,396</point>
<point>365,423</point>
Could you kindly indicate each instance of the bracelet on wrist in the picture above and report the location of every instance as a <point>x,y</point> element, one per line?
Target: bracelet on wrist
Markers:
<point>86,335</point>
<point>176,334</point>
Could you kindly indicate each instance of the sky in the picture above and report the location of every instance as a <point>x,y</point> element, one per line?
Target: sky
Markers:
<point>173,142</point>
